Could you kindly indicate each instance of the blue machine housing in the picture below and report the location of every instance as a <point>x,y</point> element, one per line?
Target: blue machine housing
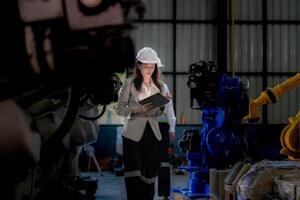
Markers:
<point>223,101</point>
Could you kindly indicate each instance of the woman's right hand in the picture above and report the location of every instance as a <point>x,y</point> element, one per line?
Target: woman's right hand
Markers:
<point>143,108</point>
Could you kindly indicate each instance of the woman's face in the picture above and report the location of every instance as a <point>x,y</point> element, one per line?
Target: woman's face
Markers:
<point>147,70</point>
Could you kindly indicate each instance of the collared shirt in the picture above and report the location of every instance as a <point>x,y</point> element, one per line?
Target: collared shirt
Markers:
<point>169,110</point>
<point>146,92</point>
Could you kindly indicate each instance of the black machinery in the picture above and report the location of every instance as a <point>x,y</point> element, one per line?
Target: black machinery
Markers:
<point>63,56</point>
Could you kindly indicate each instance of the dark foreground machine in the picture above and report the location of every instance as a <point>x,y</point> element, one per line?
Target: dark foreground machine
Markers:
<point>59,63</point>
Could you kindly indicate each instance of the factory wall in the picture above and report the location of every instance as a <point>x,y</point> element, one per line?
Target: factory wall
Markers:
<point>267,45</point>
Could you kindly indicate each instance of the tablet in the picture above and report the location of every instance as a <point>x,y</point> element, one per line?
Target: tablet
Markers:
<point>157,99</point>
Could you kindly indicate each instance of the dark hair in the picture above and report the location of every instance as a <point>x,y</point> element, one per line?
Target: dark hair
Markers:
<point>138,77</point>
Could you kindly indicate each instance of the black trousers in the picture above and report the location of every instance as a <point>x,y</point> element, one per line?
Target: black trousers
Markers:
<point>164,182</point>
<point>141,165</point>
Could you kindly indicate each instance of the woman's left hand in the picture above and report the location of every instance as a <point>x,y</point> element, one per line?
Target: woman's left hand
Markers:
<point>168,96</point>
<point>171,136</point>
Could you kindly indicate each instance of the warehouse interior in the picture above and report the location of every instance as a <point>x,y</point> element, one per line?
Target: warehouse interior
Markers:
<point>232,69</point>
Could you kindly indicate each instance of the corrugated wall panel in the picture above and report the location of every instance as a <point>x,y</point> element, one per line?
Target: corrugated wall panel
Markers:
<point>248,48</point>
<point>157,36</point>
<point>283,48</point>
<point>168,79</point>
<point>255,85</point>
<point>194,43</point>
<point>184,112</point>
<point>297,48</point>
<point>288,104</point>
<point>283,9</point>
<point>243,48</point>
<point>158,9</point>
<point>242,9</point>
<point>196,9</point>
<point>246,9</point>
<point>292,48</point>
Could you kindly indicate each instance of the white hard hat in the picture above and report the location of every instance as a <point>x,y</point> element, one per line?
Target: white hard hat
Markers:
<point>147,55</point>
<point>159,63</point>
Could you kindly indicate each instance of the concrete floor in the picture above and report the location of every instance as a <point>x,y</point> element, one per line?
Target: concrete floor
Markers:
<point>111,187</point>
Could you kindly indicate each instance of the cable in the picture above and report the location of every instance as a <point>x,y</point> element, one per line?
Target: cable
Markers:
<point>95,117</point>
<point>49,147</point>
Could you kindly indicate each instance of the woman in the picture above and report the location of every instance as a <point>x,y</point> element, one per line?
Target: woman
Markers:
<point>141,134</point>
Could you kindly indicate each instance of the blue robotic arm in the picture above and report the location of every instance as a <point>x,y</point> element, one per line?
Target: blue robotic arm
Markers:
<point>223,101</point>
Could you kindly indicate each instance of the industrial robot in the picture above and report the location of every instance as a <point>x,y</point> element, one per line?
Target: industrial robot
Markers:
<point>58,66</point>
<point>290,135</point>
<point>270,179</point>
<point>223,102</point>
